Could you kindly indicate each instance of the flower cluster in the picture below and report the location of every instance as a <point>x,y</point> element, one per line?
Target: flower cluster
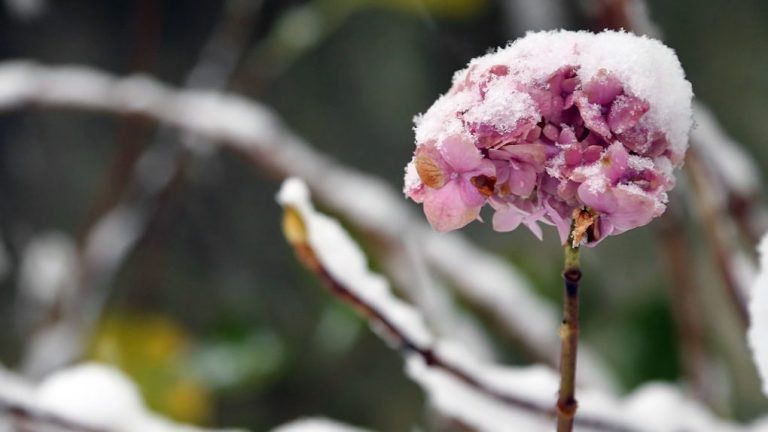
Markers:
<point>553,123</point>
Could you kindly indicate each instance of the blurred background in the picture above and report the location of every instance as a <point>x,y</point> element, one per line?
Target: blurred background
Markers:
<point>210,313</point>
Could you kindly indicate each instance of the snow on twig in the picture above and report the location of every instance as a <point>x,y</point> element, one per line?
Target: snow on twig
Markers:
<point>758,311</point>
<point>89,397</point>
<point>740,182</point>
<point>315,424</point>
<point>48,269</point>
<point>482,395</point>
<point>720,234</point>
<point>326,249</point>
<point>260,136</point>
<point>734,166</point>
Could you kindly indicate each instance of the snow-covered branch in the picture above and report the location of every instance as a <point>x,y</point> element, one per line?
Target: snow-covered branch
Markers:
<point>487,397</point>
<point>739,183</point>
<point>259,135</point>
<point>720,234</point>
<point>758,312</point>
<point>324,247</point>
<point>89,397</point>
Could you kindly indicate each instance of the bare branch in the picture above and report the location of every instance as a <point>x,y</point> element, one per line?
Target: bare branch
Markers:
<point>734,172</point>
<point>716,230</point>
<point>694,355</point>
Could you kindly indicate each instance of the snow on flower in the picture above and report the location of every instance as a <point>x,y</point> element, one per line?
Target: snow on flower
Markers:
<point>553,123</point>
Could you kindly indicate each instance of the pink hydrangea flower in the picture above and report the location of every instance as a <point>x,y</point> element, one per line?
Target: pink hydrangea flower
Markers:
<point>555,122</point>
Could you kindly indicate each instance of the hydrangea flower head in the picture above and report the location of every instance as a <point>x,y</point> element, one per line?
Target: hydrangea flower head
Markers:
<point>555,124</point>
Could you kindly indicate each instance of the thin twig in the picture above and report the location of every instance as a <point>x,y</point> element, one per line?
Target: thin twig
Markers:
<point>733,170</point>
<point>714,230</point>
<point>685,304</point>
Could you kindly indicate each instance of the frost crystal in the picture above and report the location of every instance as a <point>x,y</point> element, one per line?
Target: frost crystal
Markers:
<point>554,122</point>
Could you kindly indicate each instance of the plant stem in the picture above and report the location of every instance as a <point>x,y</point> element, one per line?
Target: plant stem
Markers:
<point>569,338</point>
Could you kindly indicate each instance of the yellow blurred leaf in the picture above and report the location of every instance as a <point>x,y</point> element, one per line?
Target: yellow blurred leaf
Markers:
<point>152,350</point>
<point>188,400</point>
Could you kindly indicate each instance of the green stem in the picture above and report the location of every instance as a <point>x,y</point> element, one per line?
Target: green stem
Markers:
<point>569,338</point>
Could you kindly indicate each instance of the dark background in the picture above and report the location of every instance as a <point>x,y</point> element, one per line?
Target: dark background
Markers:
<point>211,314</point>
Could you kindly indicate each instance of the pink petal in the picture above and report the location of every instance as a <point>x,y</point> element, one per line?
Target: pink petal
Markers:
<point>567,190</point>
<point>592,153</point>
<point>567,136</point>
<point>569,84</point>
<point>569,101</point>
<point>626,112</point>
<point>485,167</point>
<point>522,180</point>
<point>445,209</point>
<point>551,132</point>
<point>602,88</point>
<point>659,145</point>
<point>507,219</point>
<point>499,70</point>
<point>593,117</point>
<point>416,193</point>
<point>562,224</point>
<point>635,208</point>
<point>533,134</point>
<point>636,139</point>
<point>572,156</point>
<point>533,154</point>
<point>534,227</point>
<point>460,153</point>
<point>615,163</point>
<point>469,193</point>
<point>502,170</point>
<point>597,196</point>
